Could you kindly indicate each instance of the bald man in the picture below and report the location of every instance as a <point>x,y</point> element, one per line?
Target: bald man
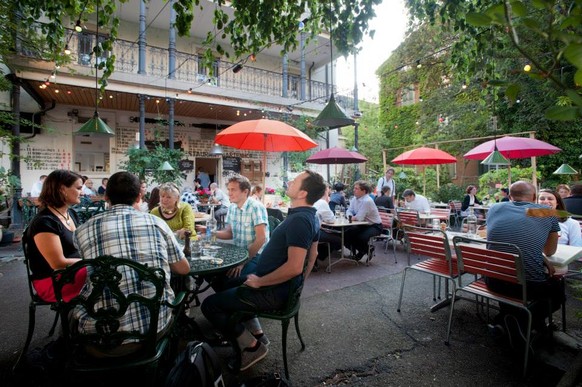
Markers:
<point>507,222</point>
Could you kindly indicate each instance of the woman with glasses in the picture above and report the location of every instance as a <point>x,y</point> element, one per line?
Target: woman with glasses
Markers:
<point>178,215</point>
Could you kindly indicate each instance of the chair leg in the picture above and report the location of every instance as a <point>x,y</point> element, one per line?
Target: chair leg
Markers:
<point>31,322</point>
<point>401,288</point>
<point>298,332</point>
<point>527,342</point>
<point>285,326</point>
<point>52,331</point>
<point>328,269</point>
<point>447,340</point>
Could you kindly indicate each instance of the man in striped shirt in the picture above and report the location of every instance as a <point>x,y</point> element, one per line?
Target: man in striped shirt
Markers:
<point>507,222</point>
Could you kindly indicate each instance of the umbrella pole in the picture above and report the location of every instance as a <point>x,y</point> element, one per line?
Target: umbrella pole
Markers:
<point>424,180</point>
<point>509,175</point>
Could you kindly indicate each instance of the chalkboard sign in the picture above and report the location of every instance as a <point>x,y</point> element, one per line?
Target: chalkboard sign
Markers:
<point>231,164</point>
<point>186,165</point>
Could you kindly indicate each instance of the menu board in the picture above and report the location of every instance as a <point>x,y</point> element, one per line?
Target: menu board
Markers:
<point>231,164</point>
<point>186,165</point>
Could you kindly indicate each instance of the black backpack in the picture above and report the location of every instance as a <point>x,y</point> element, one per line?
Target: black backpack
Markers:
<point>197,365</point>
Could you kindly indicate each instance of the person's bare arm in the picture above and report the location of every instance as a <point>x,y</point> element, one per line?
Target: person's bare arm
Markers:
<point>260,239</point>
<point>551,244</point>
<point>290,269</point>
<point>49,245</point>
<point>181,267</point>
<point>312,258</point>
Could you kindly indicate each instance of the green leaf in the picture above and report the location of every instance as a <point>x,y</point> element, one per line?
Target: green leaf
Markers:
<point>578,78</point>
<point>540,4</point>
<point>574,96</point>
<point>497,82</point>
<point>478,19</point>
<point>496,13</point>
<point>574,54</point>
<point>512,91</point>
<point>518,9</point>
<point>562,113</point>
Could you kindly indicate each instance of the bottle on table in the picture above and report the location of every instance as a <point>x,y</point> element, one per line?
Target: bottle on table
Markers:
<point>187,248</point>
<point>471,222</point>
<point>211,226</point>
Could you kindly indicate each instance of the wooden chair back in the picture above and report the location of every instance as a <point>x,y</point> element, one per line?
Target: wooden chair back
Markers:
<point>433,244</point>
<point>444,214</point>
<point>498,260</point>
<point>407,217</point>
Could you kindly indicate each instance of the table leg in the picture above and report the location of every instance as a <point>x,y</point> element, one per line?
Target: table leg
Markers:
<point>342,257</point>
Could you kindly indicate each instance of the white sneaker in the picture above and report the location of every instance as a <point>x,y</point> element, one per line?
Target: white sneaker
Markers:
<point>364,258</point>
<point>346,252</point>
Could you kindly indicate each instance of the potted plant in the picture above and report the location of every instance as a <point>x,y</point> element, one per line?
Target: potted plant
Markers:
<point>146,163</point>
<point>203,195</point>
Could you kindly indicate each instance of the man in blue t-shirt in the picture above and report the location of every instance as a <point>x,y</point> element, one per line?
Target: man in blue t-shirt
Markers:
<point>280,267</point>
<point>536,237</point>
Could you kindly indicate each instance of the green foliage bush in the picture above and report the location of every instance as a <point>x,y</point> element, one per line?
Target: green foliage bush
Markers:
<point>489,180</point>
<point>448,192</point>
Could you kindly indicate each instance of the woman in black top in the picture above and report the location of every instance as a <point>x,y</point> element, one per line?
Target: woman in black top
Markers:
<point>470,199</point>
<point>49,237</point>
<point>385,198</point>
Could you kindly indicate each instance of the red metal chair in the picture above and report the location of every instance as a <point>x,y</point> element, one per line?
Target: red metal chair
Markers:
<point>483,258</point>
<point>406,218</point>
<point>435,245</point>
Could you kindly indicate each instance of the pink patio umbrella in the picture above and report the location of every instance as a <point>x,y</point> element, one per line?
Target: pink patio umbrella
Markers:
<point>424,156</point>
<point>513,148</point>
<point>336,155</point>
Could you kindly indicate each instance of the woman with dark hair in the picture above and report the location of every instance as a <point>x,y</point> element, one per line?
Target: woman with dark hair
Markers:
<point>337,197</point>
<point>470,199</point>
<point>49,236</point>
<point>569,228</point>
<point>154,198</point>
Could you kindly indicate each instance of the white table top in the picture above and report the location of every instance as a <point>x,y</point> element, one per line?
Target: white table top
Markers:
<point>565,255</point>
<point>203,218</point>
<point>345,223</point>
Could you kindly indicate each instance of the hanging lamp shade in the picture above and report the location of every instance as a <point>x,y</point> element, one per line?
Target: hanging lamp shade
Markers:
<point>565,169</point>
<point>332,116</point>
<point>216,150</point>
<point>495,158</point>
<point>166,166</point>
<point>95,127</point>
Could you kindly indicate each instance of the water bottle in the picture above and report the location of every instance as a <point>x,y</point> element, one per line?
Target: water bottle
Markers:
<point>211,226</point>
<point>471,223</point>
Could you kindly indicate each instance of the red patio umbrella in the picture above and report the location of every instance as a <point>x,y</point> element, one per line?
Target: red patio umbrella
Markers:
<point>336,155</point>
<point>264,135</point>
<point>424,156</point>
<point>513,148</point>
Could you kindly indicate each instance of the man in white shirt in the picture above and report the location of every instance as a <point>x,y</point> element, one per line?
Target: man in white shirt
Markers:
<point>415,201</point>
<point>363,209</point>
<point>37,187</point>
<point>387,181</point>
<point>324,215</point>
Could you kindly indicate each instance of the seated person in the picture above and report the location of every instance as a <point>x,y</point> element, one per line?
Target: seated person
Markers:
<point>189,197</point>
<point>573,202</point>
<point>219,197</point>
<point>363,209</point>
<point>325,215</point>
<point>50,234</point>
<point>470,200</point>
<point>280,268</point>
<point>415,201</point>
<point>385,198</point>
<point>338,197</point>
<point>257,193</point>
<point>123,231</point>
<point>537,238</point>
<point>87,188</point>
<point>101,189</point>
<point>179,216</point>
<point>569,228</point>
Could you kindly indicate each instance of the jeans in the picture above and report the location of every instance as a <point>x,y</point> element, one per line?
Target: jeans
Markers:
<point>219,308</point>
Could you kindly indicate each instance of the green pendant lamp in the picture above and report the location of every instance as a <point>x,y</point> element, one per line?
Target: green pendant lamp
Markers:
<point>166,166</point>
<point>96,126</point>
<point>332,115</point>
<point>495,158</point>
<point>565,169</point>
